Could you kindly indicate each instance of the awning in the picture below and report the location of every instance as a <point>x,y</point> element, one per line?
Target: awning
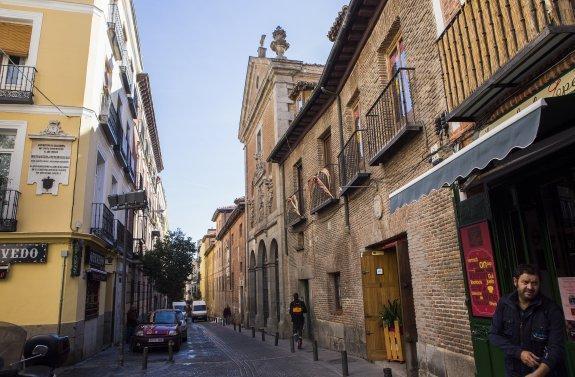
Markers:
<point>96,274</point>
<point>539,120</point>
<point>15,38</point>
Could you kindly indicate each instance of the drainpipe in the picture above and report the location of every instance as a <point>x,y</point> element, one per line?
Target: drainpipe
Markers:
<point>341,144</point>
<point>65,256</point>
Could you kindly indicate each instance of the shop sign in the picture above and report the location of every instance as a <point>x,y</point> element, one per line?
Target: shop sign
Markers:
<point>23,253</point>
<point>567,292</point>
<point>77,247</point>
<point>480,266</point>
<point>95,260</point>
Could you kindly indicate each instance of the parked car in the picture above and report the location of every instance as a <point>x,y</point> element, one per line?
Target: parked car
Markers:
<point>199,311</point>
<point>165,325</point>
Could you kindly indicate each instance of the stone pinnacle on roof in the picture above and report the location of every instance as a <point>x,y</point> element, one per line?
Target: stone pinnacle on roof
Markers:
<point>279,45</point>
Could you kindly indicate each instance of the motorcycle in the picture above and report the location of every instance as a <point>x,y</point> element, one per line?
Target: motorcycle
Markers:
<point>38,356</point>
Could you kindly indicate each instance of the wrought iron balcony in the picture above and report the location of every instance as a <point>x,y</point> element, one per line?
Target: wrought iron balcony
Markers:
<point>324,187</point>
<point>116,31</point>
<point>352,168</point>
<point>130,244</point>
<point>8,209</point>
<point>110,121</point>
<point>17,84</point>
<point>391,119</point>
<point>490,49</point>
<point>120,231</point>
<point>102,222</point>
<point>295,208</point>
<point>127,73</point>
<point>133,104</point>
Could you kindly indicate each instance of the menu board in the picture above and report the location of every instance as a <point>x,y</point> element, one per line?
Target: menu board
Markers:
<point>480,267</point>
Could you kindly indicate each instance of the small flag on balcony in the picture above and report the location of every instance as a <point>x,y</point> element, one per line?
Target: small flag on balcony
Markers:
<point>292,200</point>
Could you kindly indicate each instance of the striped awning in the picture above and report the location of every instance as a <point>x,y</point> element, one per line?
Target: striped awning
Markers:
<point>538,121</point>
<point>15,38</point>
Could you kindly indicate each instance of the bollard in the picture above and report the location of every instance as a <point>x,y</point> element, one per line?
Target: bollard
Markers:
<point>314,345</point>
<point>387,372</point>
<point>171,351</point>
<point>344,370</point>
<point>240,327</point>
<point>253,332</point>
<point>277,339</point>
<point>145,360</point>
<point>263,335</point>
<point>292,345</point>
<point>234,326</point>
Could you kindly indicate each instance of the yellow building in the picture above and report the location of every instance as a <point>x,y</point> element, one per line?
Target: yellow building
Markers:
<point>69,107</point>
<point>206,266</point>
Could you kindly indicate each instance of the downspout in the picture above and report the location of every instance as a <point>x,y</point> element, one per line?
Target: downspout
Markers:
<point>61,305</point>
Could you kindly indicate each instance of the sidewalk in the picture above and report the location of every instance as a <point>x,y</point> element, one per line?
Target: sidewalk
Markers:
<point>328,359</point>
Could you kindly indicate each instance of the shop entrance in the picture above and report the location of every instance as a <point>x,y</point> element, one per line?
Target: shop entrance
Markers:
<point>386,276</point>
<point>532,213</point>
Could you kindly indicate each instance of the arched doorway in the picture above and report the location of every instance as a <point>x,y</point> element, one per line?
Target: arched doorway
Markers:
<point>252,295</point>
<point>263,260</point>
<point>275,258</point>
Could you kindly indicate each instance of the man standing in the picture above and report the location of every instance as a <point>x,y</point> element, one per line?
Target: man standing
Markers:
<point>529,328</point>
<point>297,309</point>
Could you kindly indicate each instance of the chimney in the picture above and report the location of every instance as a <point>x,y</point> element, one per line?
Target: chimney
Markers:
<point>262,49</point>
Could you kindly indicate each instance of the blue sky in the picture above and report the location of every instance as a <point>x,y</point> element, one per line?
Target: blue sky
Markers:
<point>196,53</point>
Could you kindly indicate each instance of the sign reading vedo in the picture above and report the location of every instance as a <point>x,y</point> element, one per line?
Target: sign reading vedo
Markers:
<point>23,253</point>
<point>480,266</point>
<point>50,159</point>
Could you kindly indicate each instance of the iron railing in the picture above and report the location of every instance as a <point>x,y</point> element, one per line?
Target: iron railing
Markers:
<point>17,84</point>
<point>295,208</point>
<point>352,160</point>
<point>133,103</point>
<point>391,116</point>
<point>324,187</point>
<point>120,231</point>
<point>116,31</point>
<point>127,73</point>
<point>102,222</point>
<point>8,209</point>
<point>111,121</point>
<point>130,244</point>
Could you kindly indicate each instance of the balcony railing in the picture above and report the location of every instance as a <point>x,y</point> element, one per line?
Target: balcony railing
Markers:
<point>133,104</point>
<point>391,119</point>
<point>8,209</point>
<point>324,187</point>
<point>352,168</point>
<point>102,222</point>
<point>120,231</point>
<point>110,121</point>
<point>490,48</point>
<point>116,32</point>
<point>127,73</point>
<point>295,208</point>
<point>130,244</point>
<point>17,84</point>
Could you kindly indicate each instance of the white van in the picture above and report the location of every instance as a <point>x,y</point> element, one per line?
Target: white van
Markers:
<point>199,310</point>
<point>179,305</point>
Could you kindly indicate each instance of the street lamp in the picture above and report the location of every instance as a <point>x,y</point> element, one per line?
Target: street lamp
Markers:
<point>129,201</point>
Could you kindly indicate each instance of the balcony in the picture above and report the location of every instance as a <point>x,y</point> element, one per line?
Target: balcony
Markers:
<point>8,208</point>
<point>352,168</point>
<point>124,235</point>
<point>133,104</point>
<point>110,121</point>
<point>102,223</point>
<point>17,84</point>
<point>126,73</point>
<point>116,32</point>
<point>324,188</point>
<point>488,50</point>
<point>295,208</point>
<point>391,119</point>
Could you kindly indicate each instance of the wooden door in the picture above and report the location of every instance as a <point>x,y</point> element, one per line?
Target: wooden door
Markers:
<point>380,284</point>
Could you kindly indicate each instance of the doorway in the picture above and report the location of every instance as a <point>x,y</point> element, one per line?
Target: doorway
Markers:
<point>305,295</point>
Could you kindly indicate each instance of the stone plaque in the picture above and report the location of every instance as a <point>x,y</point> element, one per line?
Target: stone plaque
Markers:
<point>50,159</point>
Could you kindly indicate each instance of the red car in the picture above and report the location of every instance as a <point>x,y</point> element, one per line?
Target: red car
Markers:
<point>165,325</point>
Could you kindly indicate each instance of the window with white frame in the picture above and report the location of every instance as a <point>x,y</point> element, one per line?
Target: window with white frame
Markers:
<point>12,138</point>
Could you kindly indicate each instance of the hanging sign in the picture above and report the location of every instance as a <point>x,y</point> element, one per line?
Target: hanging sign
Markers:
<point>23,253</point>
<point>567,292</point>
<point>77,247</point>
<point>4,271</point>
<point>480,266</point>
<point>95,259</point>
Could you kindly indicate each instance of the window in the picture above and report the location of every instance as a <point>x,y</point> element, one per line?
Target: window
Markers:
<point>397,60</point>
<point>335,289</point>
<point>357,129</point>
<point>300,102</point>
<point>92,299</point>
<point>12,139</point>
<point>7,145</point>
<point>326,148</point>
<point>259,142</point>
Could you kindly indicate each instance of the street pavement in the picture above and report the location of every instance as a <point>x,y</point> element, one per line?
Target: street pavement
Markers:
<point>214,350</point>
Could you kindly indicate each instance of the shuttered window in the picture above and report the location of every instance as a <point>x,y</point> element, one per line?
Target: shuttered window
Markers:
<point>15,38</point>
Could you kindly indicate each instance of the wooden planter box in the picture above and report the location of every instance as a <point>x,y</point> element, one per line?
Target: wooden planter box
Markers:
<point>393,342</point>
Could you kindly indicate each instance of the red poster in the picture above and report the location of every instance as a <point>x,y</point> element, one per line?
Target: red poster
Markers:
<point>481,275</point>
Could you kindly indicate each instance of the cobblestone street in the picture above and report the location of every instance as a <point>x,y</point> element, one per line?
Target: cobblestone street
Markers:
<point>214,350</point>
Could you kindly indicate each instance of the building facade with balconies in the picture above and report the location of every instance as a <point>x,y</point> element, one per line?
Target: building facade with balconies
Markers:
<point>68,133</point>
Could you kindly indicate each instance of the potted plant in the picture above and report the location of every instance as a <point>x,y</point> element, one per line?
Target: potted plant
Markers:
<point>391,320</point>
